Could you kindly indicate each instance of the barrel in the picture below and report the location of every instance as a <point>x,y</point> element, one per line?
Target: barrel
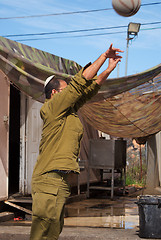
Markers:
<point>149,216</point>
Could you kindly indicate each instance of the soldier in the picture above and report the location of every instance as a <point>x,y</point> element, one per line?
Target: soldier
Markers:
<point>60,143</point>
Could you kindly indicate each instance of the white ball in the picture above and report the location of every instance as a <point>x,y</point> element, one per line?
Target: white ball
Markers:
<point>126,8</point>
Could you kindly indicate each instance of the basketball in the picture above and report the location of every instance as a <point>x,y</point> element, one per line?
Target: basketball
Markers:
<point>126,8</point>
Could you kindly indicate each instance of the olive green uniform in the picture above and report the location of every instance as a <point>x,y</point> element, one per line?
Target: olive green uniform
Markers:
<point>58,155</point>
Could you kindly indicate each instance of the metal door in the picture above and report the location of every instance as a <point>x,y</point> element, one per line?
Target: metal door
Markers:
<point>4,135</point>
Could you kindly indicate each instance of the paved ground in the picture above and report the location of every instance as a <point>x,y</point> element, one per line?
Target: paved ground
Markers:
<point>72,233</point>
<point>88,219</point>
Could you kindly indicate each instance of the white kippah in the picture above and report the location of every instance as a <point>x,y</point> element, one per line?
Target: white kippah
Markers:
<point>48,80</point>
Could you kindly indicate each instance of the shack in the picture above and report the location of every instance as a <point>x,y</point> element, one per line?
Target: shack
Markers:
<point>20,122</point>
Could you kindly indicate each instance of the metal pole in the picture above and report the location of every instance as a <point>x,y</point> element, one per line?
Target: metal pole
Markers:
<point>112,184</point>
<point>127,50</point>
<point>141,169</point>
<point>118,70</point>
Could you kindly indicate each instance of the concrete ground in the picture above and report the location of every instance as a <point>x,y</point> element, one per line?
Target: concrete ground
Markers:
<point>95,218</point>
<point>72,233</point>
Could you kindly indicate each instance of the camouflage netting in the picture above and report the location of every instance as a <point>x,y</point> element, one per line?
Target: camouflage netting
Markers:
<point>128,107</point>
<point>131,114</point>
<point>28,67</point>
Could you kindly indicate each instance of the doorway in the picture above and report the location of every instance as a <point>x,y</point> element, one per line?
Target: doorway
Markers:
<point>14,140</point>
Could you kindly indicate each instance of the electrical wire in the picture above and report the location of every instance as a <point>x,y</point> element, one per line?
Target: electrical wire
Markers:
<point>70,13</point>
<point>74,31</point>
<point>62,32</point>
<point>85,35</point>
<point>75,36</point>
<point>58,14</point>
<point>77,31</point>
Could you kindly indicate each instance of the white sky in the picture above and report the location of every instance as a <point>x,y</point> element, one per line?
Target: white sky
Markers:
<point>144,51</point>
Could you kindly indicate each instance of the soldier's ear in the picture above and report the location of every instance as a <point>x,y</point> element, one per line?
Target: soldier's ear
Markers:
<point>53,92</point>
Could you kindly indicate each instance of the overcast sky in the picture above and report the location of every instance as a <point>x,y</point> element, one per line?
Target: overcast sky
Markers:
<point>144,51</point>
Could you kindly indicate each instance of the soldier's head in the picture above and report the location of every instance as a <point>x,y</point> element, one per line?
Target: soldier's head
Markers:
<point>53,85</point>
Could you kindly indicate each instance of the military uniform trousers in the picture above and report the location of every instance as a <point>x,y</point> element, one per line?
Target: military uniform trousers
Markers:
<point>49,192</point>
